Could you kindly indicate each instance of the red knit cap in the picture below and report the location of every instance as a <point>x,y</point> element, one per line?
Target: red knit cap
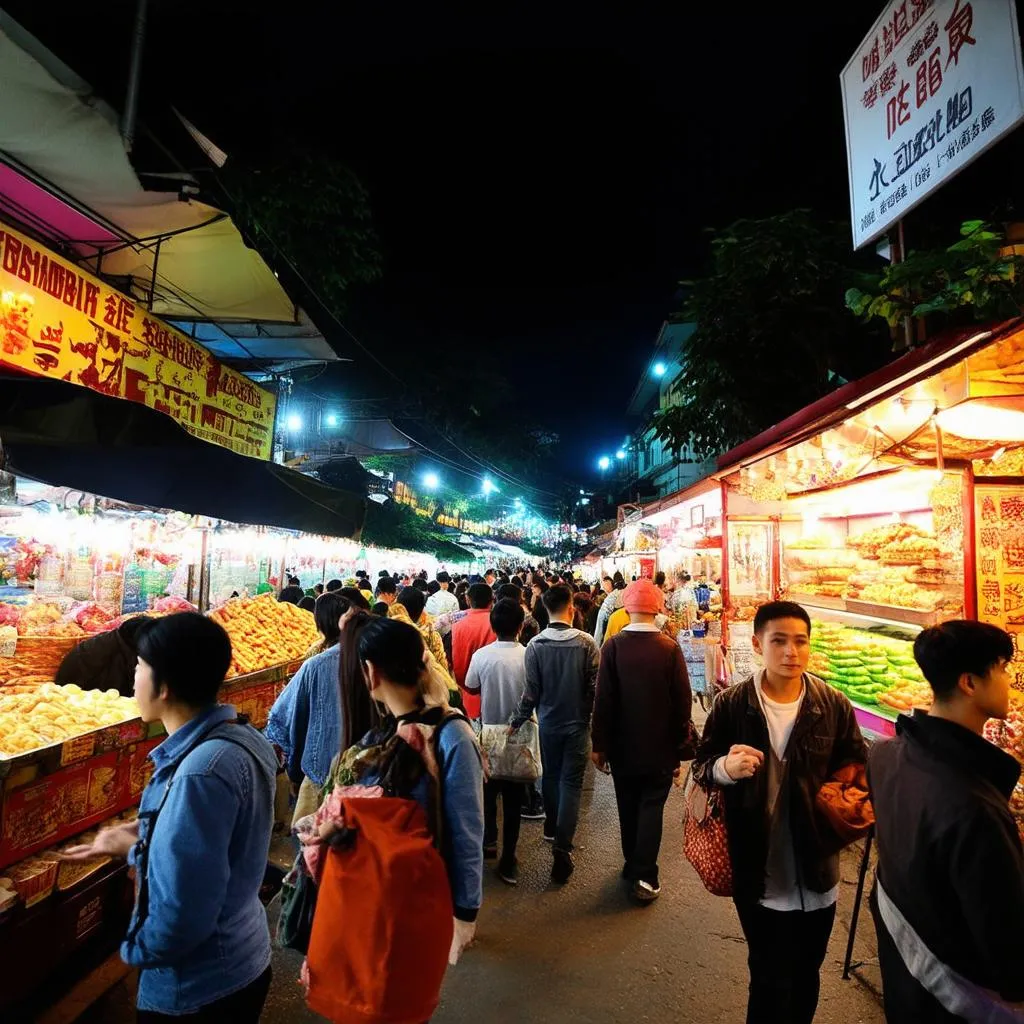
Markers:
<point>644,597</point>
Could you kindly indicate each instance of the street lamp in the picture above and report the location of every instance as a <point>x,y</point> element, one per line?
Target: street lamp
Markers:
<point>431,481</point>
<point>489,486</point>
<point>603,463</point>
<point>332,419</point>
<point>620,455</point>
<point>293,422</point>
<point>659,369</point>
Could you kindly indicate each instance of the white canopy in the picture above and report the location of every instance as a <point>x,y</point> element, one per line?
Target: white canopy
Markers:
<point>56,133</point>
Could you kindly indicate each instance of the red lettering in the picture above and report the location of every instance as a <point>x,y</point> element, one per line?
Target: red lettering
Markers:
<point>55,280</point>
<point>70,288</point>
<point>12,254</point>
<point>28,263</point>
<point>92,294</point>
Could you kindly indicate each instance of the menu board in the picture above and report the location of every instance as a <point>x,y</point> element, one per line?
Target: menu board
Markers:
<point>999,526</point>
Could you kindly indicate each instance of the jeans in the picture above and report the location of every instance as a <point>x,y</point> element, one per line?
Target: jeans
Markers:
<point>511,794</point>
<point>564,753</point>
<point>785,951</point>
<point>241,1007</point>
<point>641,802</point>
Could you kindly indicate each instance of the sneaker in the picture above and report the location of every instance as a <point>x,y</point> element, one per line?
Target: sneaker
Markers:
<point>491,852</point>
<point>533,810</point>
<point>563,867</point>
<point>509,873</point>
<point>644,892</point>
<point>549,837</point>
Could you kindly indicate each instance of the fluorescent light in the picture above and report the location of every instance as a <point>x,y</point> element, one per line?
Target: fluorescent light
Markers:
<point>431,481</point>
<point>332,420</point>
<point>659,369</point>
<point>985,419</point>
<point>294,422</point>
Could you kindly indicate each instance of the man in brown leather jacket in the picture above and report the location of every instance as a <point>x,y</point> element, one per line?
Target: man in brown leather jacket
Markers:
<point>770,743</point>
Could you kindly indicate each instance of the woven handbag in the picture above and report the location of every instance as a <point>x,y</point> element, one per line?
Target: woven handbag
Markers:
<point>705,840</point>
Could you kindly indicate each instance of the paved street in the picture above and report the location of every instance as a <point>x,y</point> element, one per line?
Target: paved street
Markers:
<point>585,953</point>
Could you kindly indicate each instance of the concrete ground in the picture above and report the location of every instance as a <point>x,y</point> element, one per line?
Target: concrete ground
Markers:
<point>586,953</point>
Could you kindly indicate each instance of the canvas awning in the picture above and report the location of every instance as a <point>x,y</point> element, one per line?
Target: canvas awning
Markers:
<point>65,435</point>
<point>66,176</point>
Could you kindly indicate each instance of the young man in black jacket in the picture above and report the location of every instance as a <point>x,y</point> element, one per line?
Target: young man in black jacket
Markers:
<point>948,901</point>
<point>770,743</point>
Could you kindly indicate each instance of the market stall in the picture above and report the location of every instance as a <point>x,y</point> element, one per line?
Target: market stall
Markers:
<point>891,505</point>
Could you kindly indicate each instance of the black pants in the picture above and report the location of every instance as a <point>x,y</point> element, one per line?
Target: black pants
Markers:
<point>641,802</point>
<point>511,794</point>
<point>785,951</point>
<point>241,1007</point>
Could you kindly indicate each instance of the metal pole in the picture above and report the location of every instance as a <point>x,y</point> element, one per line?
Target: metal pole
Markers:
<point>131,101</point>
<point>907,322</point>
<point>856,903</point>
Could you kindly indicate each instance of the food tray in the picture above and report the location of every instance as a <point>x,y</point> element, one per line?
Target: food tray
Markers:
<point>912,616</point>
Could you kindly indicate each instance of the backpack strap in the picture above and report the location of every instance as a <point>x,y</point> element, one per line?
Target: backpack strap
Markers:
<point>453,715</point>
<point>142,861</point>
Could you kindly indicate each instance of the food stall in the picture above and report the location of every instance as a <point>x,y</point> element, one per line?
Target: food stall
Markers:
<point>891,505</point>
<point>689,531</point>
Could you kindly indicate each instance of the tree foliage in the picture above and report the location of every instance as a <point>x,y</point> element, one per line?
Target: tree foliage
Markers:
<point>772,331</point>
<point>976,278</point>
<point>311,209</point>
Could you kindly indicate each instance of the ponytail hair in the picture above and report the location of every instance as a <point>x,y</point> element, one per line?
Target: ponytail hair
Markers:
<point>359,712</point>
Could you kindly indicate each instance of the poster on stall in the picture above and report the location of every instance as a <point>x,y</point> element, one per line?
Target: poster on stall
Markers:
<point>933,85</point>
<point>999,523</point>
<point>58,321</point>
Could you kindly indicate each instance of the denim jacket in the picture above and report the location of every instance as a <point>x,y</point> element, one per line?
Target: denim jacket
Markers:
<point>305,721</point>
<point>205,935</point>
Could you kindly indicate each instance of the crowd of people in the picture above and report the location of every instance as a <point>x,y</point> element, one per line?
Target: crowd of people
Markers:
<point>397,700</point>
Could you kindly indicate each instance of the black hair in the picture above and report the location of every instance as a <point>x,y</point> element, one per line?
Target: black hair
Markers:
<point>557,599</point>
<point>659,579</point>
<point>507,617</point>
<point>358,709</point>
<point>356,597</point>
<point>490,572</point>
<point>414,601</point>
<point>333,585</point>
<point>433,587</point>
<point>780,610</point>
<point>307,604</point>
<point>294,581</point>
<point>129,629</point>
<point>318,589</point>
<point>386,585</point>
<point>291,595</point>
<point>395,648</point>
<point>947,651</point>
<point>510,592</point>
<point>517,581</point>
<point>383,573</point>
<point>380,609</point>
<point>189,653</point>
<point>480,596</point>
<point>328,611</point>
<point>540,583</point>
<point>422,585</point>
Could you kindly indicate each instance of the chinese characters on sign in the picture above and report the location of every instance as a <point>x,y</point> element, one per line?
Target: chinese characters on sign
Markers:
<point>999,523</point>
<point>933,85</point>
<point>57,321</point>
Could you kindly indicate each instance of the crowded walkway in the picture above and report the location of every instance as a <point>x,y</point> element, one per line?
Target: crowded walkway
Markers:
<point>587,953</point>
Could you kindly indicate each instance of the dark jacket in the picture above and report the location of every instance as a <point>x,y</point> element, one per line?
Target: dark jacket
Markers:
<point>561,677</point>
<point>104,662</point>
<point>825,737</point>
<point>643,704</point>
<point>949,857</point>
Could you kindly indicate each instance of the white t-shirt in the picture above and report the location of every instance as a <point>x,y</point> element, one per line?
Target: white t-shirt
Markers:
<point>779,894</point>
<point>442,603</point>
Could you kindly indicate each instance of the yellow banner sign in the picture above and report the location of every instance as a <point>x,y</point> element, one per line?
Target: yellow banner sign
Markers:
<point>57,321</point>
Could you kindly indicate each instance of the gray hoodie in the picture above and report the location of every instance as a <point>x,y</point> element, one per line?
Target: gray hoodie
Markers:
<point>561,678</point>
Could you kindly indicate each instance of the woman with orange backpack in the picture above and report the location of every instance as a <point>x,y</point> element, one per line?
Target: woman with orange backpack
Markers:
<point>397,845</point>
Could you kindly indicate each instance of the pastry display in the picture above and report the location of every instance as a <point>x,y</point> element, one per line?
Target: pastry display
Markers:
<point>265,632</point>
<point>36,716</point>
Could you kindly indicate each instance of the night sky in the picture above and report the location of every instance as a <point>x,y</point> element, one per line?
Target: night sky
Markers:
<point>540,181</point>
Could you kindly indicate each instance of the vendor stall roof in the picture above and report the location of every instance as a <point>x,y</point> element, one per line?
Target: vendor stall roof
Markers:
<point>847,400</point>
<point>71,182</point>
<point>61,434</point>
<point>708,485</point>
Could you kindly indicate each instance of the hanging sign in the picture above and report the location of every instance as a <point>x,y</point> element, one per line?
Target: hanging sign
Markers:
<point>934,84</point>
<point>58,321</point>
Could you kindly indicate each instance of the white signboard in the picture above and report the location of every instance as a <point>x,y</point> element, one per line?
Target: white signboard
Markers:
<point>933,85</point>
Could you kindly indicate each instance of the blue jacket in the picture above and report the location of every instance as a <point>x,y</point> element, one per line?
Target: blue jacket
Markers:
<point>205,935</point>
<point>305,721</point>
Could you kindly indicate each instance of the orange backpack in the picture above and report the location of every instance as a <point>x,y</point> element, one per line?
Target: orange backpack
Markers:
<point>384,918</point>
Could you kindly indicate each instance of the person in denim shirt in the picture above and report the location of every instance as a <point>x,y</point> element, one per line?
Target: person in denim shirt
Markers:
<point>198,933</point>
<point>305,721</point>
